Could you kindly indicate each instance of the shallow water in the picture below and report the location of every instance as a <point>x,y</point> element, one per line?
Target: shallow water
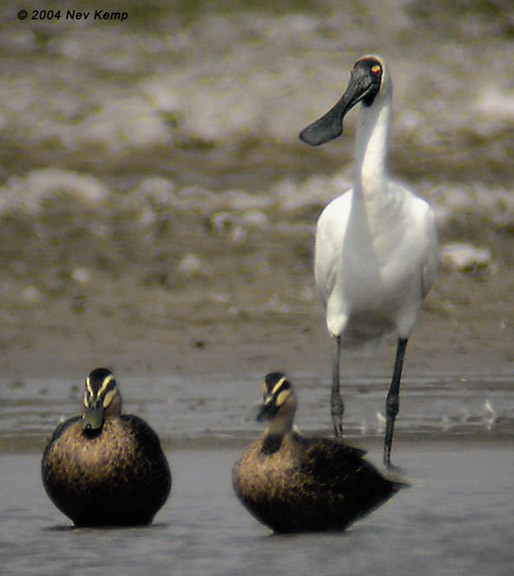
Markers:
<point>454,519</point>
<point>217,409</point>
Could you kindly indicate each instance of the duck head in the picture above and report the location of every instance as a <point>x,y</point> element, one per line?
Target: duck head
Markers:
<point>102,399</point>
<point>278,403</point>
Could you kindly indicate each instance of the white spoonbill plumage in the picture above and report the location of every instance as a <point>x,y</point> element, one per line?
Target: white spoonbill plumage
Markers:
<point>376,250</point>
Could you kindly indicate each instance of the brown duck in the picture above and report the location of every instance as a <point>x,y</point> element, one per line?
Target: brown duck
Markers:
<point>105,468</point>
<point>293,483</point>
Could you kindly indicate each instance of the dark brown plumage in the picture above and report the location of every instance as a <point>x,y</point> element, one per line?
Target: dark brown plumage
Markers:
<point>105,468</point>
<point>293,483</point>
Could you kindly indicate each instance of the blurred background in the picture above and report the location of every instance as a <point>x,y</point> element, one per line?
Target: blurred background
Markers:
<point>151,176</point>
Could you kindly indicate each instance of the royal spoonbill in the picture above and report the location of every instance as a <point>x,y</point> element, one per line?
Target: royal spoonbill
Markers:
<point>376,248</point>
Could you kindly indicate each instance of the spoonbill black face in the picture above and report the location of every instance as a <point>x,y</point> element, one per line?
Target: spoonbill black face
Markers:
<point>364,85</point>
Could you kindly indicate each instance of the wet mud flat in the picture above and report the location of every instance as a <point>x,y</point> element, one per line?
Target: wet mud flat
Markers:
<point>158,218</point>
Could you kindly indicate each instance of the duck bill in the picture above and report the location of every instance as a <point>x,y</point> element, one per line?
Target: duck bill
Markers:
<point>330,125</point>
<point>266,412</point>
<point>93,418</point>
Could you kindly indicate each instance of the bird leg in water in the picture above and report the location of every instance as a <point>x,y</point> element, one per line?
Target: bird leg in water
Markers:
<point>336,400</point>
<point>393,399</point>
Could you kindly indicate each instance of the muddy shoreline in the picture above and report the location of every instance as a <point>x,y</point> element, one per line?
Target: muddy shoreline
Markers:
<point>157,209</point>
<point>465,329</point>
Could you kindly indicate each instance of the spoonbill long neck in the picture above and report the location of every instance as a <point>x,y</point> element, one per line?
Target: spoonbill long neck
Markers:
<point>371,142</point>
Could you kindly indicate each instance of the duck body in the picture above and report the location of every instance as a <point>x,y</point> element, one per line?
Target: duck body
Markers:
<point>292,483</point>
<point>114,475</point>
<point>299,484</point>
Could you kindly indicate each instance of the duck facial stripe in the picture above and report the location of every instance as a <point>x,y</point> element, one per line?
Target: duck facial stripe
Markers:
<point>109,396</point>
<point>105,392</point>
<point>107,385</point>
<point>279,385</point>
<point>282,397</point>
<point>89,388</point>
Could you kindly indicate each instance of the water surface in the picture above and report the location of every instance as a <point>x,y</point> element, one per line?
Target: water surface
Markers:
<point>454,519</point>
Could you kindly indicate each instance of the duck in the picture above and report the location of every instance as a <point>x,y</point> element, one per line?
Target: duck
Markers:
<point>294,483</point>
<point>376,245</point>
<point>105,468</point>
